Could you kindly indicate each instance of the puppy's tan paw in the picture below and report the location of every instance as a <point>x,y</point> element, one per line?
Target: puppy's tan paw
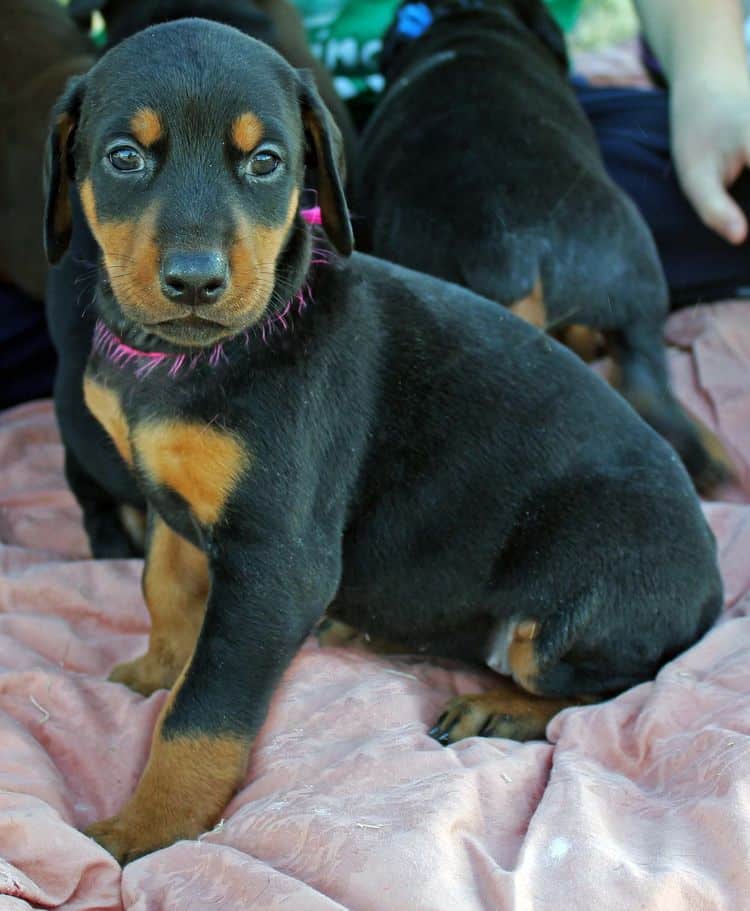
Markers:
<point>144,675</point>
<point>120,840</point>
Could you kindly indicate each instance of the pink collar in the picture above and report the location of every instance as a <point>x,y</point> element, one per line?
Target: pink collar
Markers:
<point>112,347</point>
<point>312,216</point>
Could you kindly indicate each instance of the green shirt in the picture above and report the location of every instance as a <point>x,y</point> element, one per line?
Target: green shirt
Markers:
<point>565,11</point>
<point>346,35</point>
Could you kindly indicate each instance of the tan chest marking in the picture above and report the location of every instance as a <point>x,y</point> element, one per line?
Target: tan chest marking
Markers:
<point>200,463</point>
<point>104,404</point>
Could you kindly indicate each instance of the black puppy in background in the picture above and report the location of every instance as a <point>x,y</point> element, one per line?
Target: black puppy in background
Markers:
<point>40,49</point>
<point>111,503</point>
<point>478,166</point>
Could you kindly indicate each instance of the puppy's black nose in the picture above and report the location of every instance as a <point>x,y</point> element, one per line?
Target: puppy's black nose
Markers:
<point>194,278</point>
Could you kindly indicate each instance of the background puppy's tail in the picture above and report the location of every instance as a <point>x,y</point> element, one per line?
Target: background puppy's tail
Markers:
<point>641,377</point>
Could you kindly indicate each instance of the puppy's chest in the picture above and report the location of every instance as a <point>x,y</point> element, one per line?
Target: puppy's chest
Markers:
<point>188,465</point>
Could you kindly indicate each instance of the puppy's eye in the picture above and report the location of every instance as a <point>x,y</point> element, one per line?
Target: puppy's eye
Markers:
<point>126,158</point>
<point>263,163</point>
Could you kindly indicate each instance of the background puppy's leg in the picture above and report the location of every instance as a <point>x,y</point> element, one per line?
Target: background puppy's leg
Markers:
<point>175,588</point>
<point>641,377</point>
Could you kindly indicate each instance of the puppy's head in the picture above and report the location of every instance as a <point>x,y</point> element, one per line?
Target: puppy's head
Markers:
<point>188,145</point>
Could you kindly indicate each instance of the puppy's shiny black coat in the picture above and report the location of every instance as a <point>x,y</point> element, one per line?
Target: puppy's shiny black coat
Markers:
<point>391,449</point>
<point>479,167</point>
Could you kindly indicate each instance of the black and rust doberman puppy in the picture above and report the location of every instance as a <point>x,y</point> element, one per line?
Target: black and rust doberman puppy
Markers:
<point>40,49</point>
<point>110,501</point>
<point>318,432</point>
<point>478,166</point>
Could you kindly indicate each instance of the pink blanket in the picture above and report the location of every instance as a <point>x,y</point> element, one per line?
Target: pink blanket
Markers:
<point>641,802</point>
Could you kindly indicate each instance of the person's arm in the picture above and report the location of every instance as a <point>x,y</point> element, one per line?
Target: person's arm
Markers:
<point>700,44</point>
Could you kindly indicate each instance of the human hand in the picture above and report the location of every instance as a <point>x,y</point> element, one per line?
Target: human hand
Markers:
<point>711,147</point>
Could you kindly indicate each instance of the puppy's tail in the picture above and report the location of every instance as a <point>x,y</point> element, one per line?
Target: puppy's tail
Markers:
<point>641,377</point>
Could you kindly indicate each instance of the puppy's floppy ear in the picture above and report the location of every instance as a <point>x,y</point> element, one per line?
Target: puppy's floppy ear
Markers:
<point>58,170</point>
<point>538,19</point>
<point>325,153</point>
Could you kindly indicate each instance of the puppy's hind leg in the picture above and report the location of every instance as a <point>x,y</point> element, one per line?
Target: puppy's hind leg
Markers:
<point>553,664</point>
<point>518,708</point>
<point>640,361</point>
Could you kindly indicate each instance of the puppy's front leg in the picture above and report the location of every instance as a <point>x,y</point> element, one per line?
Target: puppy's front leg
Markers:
<point>261,607</point>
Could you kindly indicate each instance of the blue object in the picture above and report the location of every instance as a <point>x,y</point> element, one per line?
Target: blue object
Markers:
<point>414,19</point>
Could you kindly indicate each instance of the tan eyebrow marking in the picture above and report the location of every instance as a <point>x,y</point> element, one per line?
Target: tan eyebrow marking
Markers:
<point>146,126</point>
<point>247,132</point>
